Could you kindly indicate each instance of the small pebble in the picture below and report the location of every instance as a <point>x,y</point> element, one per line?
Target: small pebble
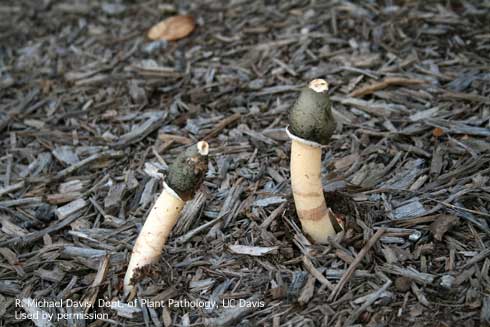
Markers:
<point>415,236</point>
<point>447,281</point>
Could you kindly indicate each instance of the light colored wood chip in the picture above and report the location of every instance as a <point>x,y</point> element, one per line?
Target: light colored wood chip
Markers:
<point>172,28</point>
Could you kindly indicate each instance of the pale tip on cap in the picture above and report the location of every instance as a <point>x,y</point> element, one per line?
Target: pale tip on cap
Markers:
<point>318,85</point>
<point>203,148</point>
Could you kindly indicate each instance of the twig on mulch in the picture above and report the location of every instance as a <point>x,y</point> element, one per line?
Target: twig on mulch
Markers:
<point>34,236</point>
<point>368,89</point>
<point>221,125</point>
<point>102,155</point>
<point>348,273</point>
<point>318,275</point>
<point>371,298</point>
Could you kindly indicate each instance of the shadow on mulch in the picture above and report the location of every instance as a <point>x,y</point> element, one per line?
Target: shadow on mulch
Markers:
<point>347,211</point>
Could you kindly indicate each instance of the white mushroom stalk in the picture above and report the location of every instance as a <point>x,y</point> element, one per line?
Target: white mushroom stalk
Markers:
<point>311,125</point>
<point>184,178</point>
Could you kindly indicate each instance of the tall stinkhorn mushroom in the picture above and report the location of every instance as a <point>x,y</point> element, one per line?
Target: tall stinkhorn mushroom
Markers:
<point>311,125</point>
<point>184,177</point>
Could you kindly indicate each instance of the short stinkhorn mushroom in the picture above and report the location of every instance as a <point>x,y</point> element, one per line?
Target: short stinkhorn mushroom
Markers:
<point>311,124</point>
<point>184,177</point>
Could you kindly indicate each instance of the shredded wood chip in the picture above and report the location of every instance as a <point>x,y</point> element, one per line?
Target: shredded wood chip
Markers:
<point>256,251</point>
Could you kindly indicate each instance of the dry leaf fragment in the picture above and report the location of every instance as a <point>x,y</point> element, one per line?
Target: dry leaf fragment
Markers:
<point>172,28</point>
<point>442,224</point>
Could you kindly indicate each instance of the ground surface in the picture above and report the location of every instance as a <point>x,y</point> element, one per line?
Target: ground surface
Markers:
<point>91,112</point>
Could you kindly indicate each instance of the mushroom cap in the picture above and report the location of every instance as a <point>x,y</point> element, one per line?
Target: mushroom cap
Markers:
<point>310,118</point>
<point>186,173</point>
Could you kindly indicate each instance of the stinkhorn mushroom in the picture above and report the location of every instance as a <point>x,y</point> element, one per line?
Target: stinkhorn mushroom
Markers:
<point>184,177</point>
<point>311,125</point>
